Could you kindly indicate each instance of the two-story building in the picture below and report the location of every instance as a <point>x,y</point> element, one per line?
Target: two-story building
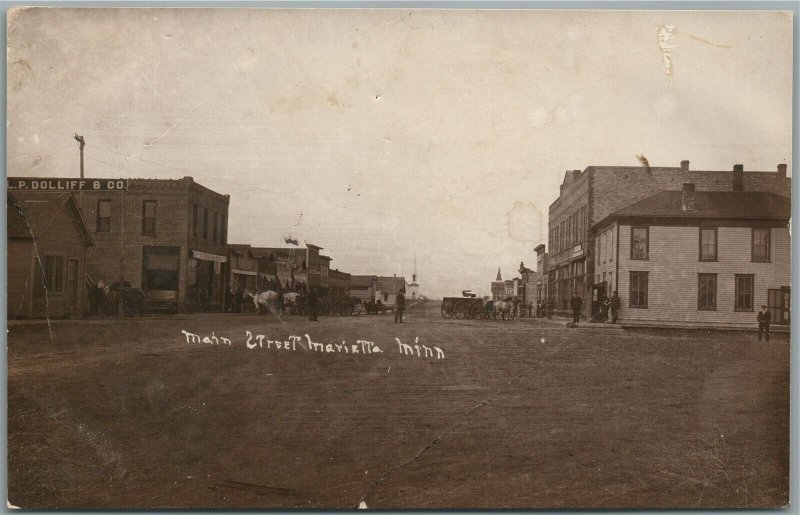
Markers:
<point>589,196</point>
<point>698,258</point>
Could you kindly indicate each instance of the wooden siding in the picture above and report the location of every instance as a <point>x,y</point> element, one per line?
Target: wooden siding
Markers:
<point>20,256</point>
<point>674,265</point>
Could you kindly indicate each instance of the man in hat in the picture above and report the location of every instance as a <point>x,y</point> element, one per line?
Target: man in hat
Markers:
<point>399,306</point>
<point>764,318</point>
<point>575,303</point>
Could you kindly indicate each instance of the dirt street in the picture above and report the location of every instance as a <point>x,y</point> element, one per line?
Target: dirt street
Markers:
<point>129,414</point>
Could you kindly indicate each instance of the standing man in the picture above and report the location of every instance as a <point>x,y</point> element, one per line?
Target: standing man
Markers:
<point>575,303</point>
<point>399,306</point>
<point>764,318</point>
<point>615,303</point>
<point>605,303</point>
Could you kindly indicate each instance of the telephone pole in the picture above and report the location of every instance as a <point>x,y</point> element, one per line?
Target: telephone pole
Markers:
<point>80,140</point>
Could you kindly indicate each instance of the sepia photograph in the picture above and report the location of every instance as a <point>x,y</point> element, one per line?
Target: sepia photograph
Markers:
<point>398,258</point>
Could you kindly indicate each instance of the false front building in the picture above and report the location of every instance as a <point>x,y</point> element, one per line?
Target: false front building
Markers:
<point>698,258</point>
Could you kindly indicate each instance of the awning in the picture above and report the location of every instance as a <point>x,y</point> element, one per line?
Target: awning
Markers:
<point>244,272</point>
<point>205,256</point>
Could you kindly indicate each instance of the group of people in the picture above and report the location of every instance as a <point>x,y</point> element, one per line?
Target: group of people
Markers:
<point>607,304</point>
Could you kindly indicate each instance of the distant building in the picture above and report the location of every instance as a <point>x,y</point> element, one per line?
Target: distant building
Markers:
<point>541,267</point>
<point>339,283</point>
<point>498,287</point>
<point>363,287</point>
<point>387,288</point>
<point>295,268</point>
<point>47,245</point>
<point>242,268</point>
<point>589,196</point>
<point>698,258</point>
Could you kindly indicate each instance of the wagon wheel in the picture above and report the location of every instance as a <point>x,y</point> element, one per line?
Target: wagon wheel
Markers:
<point>357,309</point>
<point>446,312</point>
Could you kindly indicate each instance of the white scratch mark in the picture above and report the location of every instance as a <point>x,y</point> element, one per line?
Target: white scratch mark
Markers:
<point>666,45</point>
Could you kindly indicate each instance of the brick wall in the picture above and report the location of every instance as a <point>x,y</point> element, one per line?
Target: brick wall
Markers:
<point>118,254</point>
<point>673,267</point>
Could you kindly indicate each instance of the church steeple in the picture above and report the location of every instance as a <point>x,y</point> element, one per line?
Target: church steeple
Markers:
<point>499,278</point>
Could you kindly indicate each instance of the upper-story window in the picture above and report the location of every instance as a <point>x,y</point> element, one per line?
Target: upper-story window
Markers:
<point>149,217</point>
<point>640,241</point>
<point>215,231</point>
<point>103,216</point>
<point>194,220</point>
<point>760,249</point>
<point>205,223</point>
<point>708,244</point>
<point>223,230</point>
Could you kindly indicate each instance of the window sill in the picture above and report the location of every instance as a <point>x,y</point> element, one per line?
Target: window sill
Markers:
<point>706,309</point>
<point>744,310</point>
<point>637,307</point>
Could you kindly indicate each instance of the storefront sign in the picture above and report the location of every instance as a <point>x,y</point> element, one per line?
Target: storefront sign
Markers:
<point>44,184</point>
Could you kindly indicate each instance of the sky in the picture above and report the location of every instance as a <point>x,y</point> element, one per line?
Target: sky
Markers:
<point>389,136</point>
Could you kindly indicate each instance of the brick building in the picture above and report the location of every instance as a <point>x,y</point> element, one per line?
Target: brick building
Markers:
<point>698,258</point>
<point>167,237</point>
<point>47,245</point>
<point>589,196</point>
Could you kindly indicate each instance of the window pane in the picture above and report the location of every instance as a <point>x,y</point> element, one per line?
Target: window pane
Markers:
<point>744,293</point>
<point>639,243</point>
<point>760,244</point>
<point>104,208</point>
<point>708,244</point>
<point>638,289</point>
<point>707,291</point>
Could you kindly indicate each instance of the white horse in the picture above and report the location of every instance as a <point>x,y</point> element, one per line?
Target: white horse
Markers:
<point>503,307</point>
<point>294,301</point>
<point>266,299</point>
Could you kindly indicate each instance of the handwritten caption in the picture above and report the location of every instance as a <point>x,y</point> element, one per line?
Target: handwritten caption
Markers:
<point>305,343</point>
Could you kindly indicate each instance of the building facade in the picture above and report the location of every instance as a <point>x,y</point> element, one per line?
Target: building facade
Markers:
<point>339,283</point>
<point>362,287</point>
<point>167,237</point>
<point>698,259</point>
<point>591,195</point>
<point>47,245</point>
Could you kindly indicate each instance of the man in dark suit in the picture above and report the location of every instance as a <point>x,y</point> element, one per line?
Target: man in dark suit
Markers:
<point>399,306</point>
<point>575,303</point>
<point>764,318</point>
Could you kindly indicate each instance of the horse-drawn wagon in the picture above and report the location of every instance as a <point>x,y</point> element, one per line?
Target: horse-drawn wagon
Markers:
<point>464,307</point>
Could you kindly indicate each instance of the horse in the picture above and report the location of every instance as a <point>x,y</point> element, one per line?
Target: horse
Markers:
<point>295,302</point>
<point>503,307</point>
<point>266,299</point>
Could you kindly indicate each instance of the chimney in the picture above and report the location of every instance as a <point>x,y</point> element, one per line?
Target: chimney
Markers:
<point>782,171</point>
<point>688,197</point>
<point>685,165</point>
<point>738,178</point>
<point>576,174</point>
